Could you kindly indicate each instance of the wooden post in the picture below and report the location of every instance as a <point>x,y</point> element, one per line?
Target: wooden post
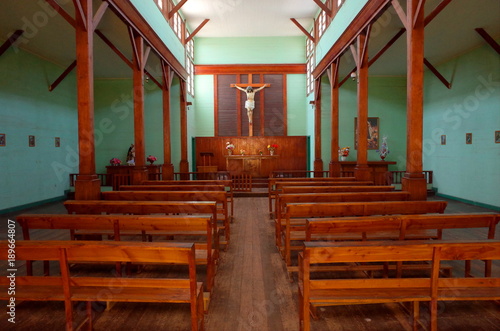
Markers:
<point>362,171</point>
<point>168,167</point>
<point>334,161</point>
<point>139,172</point>
<point>413,179</point>
<point>184,163</point>
<point>87,184</point>
<point>318,162</point>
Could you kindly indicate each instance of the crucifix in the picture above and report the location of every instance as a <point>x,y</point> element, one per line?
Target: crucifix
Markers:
<point>250,102</point>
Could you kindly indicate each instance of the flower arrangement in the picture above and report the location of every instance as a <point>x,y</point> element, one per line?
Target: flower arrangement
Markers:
<point>384,149</point>
<point>242,151</point>
<point>114,161</point>
<point>151,159</point>
<point>229,146</point>
<point>344,151</point>
<point>272,147</point>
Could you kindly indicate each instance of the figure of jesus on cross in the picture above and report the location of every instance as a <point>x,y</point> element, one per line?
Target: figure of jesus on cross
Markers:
<point>250,102</point>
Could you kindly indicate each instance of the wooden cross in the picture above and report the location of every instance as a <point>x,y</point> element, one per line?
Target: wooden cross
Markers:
<point>249,104</point>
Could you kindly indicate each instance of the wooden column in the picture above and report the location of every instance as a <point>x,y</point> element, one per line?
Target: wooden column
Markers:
<point>140,171</point>
<point>413,179</point>
<point>168,167</point>
<point>184,163</point>
<point>362,171</point>
<point>87,185</point>
<point>334,167</point>
<point>318,162</point>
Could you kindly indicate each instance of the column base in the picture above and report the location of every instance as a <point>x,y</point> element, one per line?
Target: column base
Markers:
<point>167,172</point>
<point>87,187</point>
<point>139,174</point>
<point>363,173</point>
<point>318,168</point>
<point>335,169</point>
<point>417,186</point>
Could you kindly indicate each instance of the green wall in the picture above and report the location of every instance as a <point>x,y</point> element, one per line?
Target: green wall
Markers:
<point>151,13</point>
<point>114,121</point>
<point>386,100</point>
<point>249,50</point>
<point>465,171</point>
<point>41,173</point>
<point>341,21</point>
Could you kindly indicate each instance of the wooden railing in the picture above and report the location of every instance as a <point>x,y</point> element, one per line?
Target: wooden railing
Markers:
<point>396,176</point>
<point>219,175</point>
<point>106,179</point>
<point>298,174</point>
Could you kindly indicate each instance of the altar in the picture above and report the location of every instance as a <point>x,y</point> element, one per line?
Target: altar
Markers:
<point>255,165</point>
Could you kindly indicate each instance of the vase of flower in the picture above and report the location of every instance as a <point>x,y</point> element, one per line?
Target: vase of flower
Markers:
<point>344,153</point>
<point>343,158</point>
<point>229,148</point>
<point>271,152</point>
<point>151,159</point>
<point>384,149</point>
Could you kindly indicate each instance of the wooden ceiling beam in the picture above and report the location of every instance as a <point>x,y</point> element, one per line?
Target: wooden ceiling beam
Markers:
<point>367,15</point>
<point>488,39</point>
<point>176,8</point>
<point>62,12</point>
<point>436,11</point>
<point>10,41</point>
<point>100,13</point>
<point>308,35</point>
<point>62,76</point>
<point>437,73</point>
<point>132,18</point>
<point>324,7</point>
<point>80,14</point>
<point>401,13</point>
<point>192,34</point>
<point>378,55</point>
<point>114,48</point>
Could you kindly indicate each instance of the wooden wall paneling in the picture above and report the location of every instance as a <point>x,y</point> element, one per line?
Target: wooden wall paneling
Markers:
<point>216,105</point>
<point>227,105</point>
<point>291,153</point>
<point>285,105</point>
<point>273,106</point>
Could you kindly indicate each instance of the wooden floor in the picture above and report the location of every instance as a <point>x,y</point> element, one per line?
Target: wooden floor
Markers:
<point>253,292</point>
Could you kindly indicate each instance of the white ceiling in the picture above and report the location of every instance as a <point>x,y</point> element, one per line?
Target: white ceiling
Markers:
<point>450,34</point>
<point>249,18</point>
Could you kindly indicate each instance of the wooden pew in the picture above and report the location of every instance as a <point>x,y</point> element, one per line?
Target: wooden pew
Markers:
<point>283,199</point>
<point>273,180</point>
<point>292,228</point>
<point>95,207</point>
<point>400,227</point>
<point>228,185</point>
<point>218,196</point>
<point>429,288</point>
<point>68,288</point>
<point>336,189</point>
<point>278,187</point>
<point>118,226</point>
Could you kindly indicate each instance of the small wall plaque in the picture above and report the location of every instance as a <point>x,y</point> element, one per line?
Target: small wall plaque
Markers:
<point>57,141</point>
<point>2,139</point>
<point>443,139</point>
<point>468,138</point>
<point>31,141</point>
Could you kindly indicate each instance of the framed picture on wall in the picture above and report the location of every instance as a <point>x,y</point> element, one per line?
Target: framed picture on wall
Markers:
<point>468,138</point>
<point>443,139</point>
<point>31,141</point>
<point>372,139</point>
<point>497,137</point>
<point>2,139</point>
<point>57,141</point>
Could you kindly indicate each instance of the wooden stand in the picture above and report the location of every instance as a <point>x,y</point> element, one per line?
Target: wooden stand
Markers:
<point>207,167</point>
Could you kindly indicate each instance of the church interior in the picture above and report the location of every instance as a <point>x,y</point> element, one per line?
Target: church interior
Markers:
<point>261,165</point>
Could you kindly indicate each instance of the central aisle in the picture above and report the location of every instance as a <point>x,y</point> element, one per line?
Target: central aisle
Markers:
<point>252,290</point>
